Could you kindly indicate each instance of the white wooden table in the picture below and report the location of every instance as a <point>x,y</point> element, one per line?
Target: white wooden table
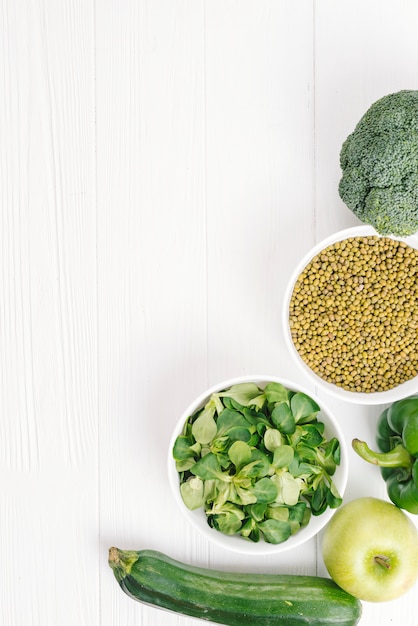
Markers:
<point>164,165</point>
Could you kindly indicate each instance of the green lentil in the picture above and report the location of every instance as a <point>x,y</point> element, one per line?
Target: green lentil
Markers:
<point>353,313</point>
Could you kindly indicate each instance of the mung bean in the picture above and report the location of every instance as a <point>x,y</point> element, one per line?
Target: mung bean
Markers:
<point>353,313</point>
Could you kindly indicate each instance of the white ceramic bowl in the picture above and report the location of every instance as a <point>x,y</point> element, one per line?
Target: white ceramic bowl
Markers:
<point>381,397</point>
<point>236,543</point>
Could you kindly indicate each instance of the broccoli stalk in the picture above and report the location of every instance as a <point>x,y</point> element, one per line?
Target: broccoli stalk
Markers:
<point>379,162</point>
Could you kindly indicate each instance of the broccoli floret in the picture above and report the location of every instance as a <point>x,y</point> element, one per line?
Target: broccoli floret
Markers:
<point>379,161</point>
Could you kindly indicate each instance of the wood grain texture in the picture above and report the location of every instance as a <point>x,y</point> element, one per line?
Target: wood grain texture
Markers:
<point>258,140</point>
<point>363,51</point>
<point>48,425</point>
<point>152,271</point>
<point>163,167</point>
<point>49,234</point>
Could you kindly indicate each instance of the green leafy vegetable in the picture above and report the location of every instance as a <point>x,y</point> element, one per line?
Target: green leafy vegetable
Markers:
<point>193,493</point>
<point>283,418</point>
<point>272,439</point>
<point>204,428</point>
<point>265,490</point>
<point>240,453</point>
<point>258,462</point>
<point>304,409</point>
<point>275,531</point>
<point>275,392</point>
<point>283,456</point>
<point>242,393</point>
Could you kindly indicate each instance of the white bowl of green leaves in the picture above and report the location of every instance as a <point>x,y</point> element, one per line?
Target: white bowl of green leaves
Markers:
<point>258,464</point>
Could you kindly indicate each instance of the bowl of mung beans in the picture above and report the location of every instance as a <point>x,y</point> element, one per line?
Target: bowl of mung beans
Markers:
<point>350,315</point>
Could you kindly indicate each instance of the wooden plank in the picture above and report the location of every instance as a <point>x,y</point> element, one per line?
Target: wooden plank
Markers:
<point>363,51</point>
<point>259,140</point>
<point>259,134</point>
<point>48,426</point>
<point>152,273</point>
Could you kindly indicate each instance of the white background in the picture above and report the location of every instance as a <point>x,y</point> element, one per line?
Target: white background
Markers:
<point>164,165</point>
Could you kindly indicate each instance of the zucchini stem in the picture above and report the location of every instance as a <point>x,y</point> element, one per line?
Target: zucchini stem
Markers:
<point>121,561</point>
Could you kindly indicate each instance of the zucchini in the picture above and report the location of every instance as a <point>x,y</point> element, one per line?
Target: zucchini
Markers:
<point>231,598</point>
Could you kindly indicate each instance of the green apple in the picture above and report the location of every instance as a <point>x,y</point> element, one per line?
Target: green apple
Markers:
<point>370,549</point>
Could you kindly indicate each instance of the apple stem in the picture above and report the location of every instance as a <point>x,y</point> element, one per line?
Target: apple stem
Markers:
<point>382,560</point>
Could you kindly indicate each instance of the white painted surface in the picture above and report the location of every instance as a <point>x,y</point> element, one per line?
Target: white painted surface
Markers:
<point>164,165</point>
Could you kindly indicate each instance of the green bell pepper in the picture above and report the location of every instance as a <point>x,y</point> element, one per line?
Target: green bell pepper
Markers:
<point>397,441</point>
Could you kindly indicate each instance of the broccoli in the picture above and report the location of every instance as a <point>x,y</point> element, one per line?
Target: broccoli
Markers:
<point>379,161</point>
